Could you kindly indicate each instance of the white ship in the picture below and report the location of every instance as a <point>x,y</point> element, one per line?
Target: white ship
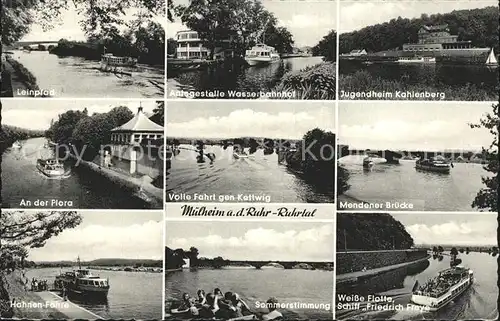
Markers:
<point>441,290</point>
<point>261,54</point>
<point>423,60</point>
<point>82,282</point>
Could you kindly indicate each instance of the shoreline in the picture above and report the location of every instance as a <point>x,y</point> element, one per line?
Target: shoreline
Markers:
<point>143,189</point>
<point>354,276</point>
<point>18,292</point>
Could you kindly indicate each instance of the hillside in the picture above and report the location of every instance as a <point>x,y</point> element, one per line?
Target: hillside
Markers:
<point>478,25</point>
<point>105,262</point>
<point>371,232</point>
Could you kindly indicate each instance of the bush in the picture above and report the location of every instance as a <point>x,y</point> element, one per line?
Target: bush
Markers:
<point>315,82</point>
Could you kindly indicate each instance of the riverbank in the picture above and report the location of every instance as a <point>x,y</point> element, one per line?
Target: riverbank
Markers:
<point>142,186</point>
<point>354,276</point>
<point>21,79</point>
<point>13,285</point>
<point>353,264</point>
<point>362,82</point>
<point>315,83</point>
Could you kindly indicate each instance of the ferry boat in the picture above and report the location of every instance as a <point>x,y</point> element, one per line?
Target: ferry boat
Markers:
<point>434,164</point>
<point>114,61</point>
<point>16,145</point>
<point>492,59</point>
<point>441,290</point>
<point>82,282</point>
<point>424,60</point>
<point>261,54</point>
<point>50,167</point>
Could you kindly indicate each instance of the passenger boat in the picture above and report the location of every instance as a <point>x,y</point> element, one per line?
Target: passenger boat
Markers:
<point>444,288</point>
<point>261,54</point>
<point>417,60</point>
<point>82,282</point>
<point>492,59</point>
<point>16,145</point>
<point>433,164</point>
<point>114,61</point>
<point>50,167</point>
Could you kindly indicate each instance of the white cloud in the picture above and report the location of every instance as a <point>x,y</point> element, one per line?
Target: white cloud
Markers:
<point>398,134</point>
<point>246,122</point>
<point>314,244</point>
<point>40,118</point>
<point>138,241</point>
<point>464,233</point>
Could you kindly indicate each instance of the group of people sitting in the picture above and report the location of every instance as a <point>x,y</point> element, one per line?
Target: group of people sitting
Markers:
<point>39,285</point>
<point>228,306</point>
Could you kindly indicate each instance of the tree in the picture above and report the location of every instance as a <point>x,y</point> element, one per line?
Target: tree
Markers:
<point>171,46</point>
<point>461,250</point>
<point>22,230</point>
<point>98,16</point>
<point>434,249</point>
<point>454,251</point>
<point>159,113</point>
<point>279,38</point>
<point>440,249</point>
<point>355,229</point>
<point>61,130</point>
<point>95,131</point>
<point>487,197</point>
<point>327,47</point>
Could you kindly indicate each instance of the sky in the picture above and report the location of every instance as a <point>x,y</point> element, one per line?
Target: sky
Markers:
<point>413,126</point>
<point>217,119</point>
<point>41,112</point>
<point>451,229</point>
<point>280,241</point>
<point>67,26</point>
<point>307,21</point>
<point>355,15</point>
<point>110,234</point>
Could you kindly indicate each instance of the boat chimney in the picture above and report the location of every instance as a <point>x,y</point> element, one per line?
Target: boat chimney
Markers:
<point>139,110</point>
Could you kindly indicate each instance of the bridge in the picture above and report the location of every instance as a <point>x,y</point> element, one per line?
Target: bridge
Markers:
<point>393,156</point>
<point>286,264</point>
<point>31,44</point>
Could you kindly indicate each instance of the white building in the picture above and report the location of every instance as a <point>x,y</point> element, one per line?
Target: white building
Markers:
<point>190,46</point>
<point>126,146</point>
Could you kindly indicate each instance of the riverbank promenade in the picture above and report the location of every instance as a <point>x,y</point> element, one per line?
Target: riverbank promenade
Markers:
<point>41,305</point>
<point>353,276</point>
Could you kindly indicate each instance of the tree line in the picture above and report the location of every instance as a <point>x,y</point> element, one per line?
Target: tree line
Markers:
<point>175,259</point>
<point>10,134</point>
<point>478,25</point>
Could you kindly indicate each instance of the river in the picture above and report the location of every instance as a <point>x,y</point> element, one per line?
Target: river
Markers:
<point>259,175</point>
<point>288,286</point>
<point>402,183</point>
<point>79,77</point>
<point>436,75</point>
<point>245,79</point>
<point>477,302</point>
<point>84,188</point>
<point>132,295</point>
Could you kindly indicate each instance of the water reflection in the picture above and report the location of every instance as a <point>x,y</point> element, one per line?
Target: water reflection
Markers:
<point>242,78</point>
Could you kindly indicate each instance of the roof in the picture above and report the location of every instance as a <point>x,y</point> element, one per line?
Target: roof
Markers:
<point>140,123</point>
<point>436,28</point>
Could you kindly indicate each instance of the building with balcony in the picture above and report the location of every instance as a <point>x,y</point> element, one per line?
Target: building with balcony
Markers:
<point>190,46</point>
<point>436,38</point>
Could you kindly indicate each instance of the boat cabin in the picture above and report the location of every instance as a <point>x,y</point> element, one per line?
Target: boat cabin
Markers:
<point>260,50</point>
